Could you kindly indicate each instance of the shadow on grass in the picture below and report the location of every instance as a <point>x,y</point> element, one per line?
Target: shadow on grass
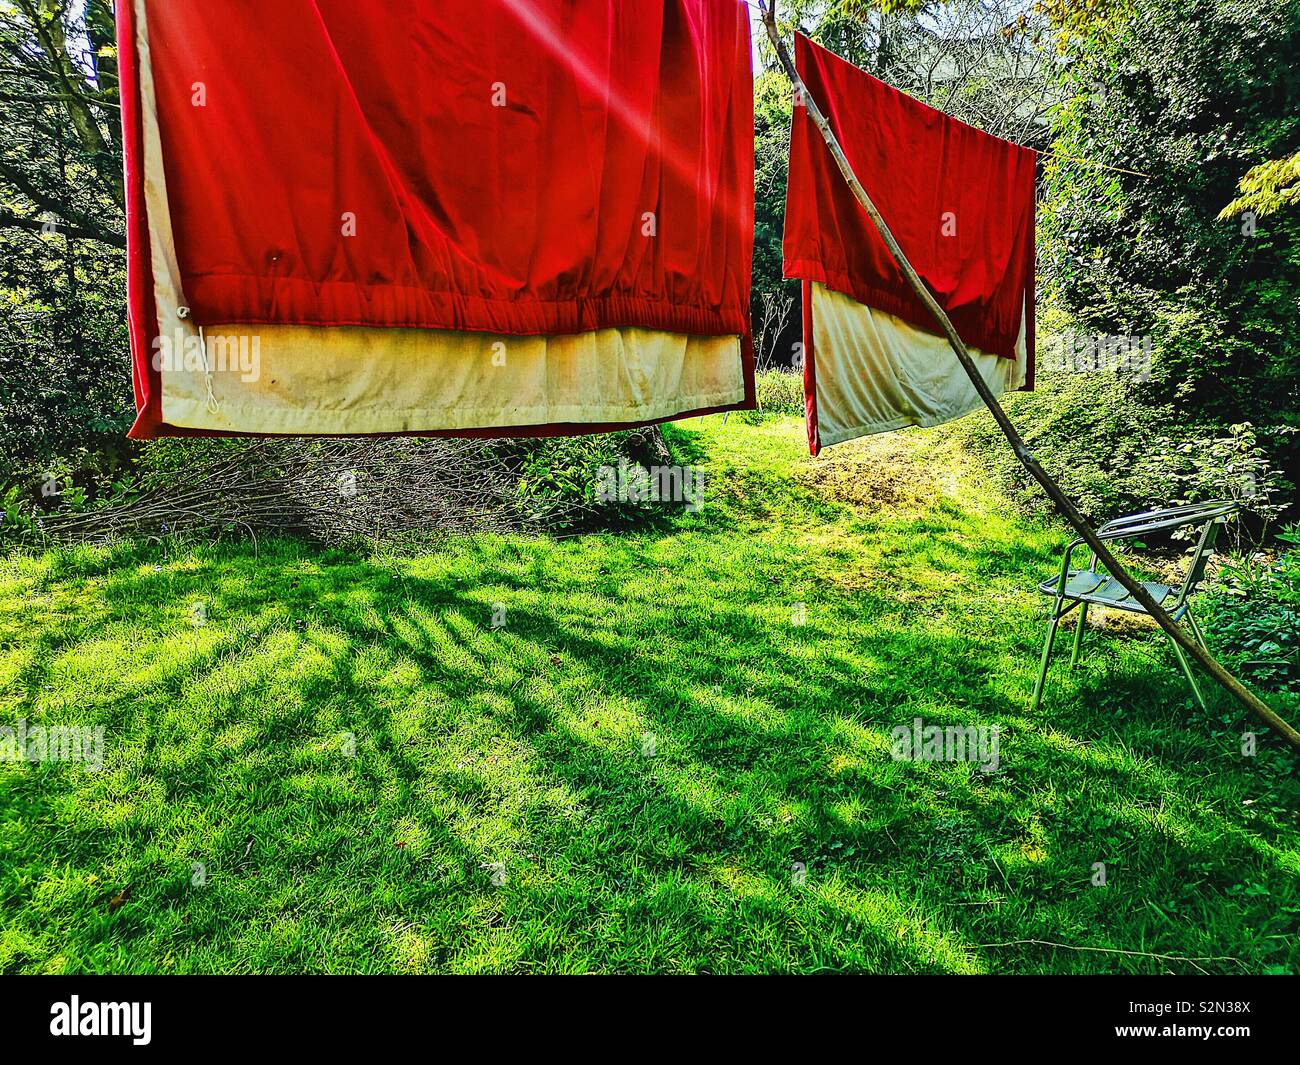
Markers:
<point>647,766</point>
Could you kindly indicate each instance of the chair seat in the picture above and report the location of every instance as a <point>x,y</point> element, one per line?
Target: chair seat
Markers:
<point>1088,586</point>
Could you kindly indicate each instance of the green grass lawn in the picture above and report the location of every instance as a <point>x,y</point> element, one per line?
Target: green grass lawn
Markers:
<point>347,768</point>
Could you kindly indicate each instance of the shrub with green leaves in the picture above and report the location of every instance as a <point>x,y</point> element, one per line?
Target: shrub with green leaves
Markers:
<point>559,477</point>
<point>1232,465</point>
<point>780,392</point>
<point>1113,455</point>
<point>1251,615</point>
<point>1087,433</point>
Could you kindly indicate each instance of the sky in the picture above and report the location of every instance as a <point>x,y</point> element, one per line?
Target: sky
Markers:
<point>757,33</point>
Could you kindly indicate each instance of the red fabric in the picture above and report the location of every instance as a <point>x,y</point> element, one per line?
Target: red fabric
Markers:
<point>917,164</point>
<point>141,313</point>
<point>525,218</point>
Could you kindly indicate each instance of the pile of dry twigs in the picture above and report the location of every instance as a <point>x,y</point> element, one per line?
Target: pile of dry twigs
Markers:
<point>330,490</point>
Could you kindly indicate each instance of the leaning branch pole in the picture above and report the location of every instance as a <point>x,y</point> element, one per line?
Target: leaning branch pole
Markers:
<point>1089,535</point>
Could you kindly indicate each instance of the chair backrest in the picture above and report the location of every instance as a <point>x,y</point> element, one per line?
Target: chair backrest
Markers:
<point>1167,519</point>
<point>1200,558</point>
<point>1209,516</point>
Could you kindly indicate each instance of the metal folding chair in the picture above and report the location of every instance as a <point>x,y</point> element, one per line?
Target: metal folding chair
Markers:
<point>1083,587</point>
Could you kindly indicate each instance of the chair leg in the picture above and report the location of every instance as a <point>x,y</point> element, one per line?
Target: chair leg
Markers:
<point>1047,654</point>
<point>1196,630</point>
<point>1078,634</point>
<point>1187,670</point>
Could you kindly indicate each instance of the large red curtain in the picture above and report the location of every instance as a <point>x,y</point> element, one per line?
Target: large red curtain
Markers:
<point>959,201</point>
<point>504,166</point>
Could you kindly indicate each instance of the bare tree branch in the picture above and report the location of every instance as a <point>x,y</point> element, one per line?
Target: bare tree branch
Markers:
<point>73,219</point>
<point>9,220</point>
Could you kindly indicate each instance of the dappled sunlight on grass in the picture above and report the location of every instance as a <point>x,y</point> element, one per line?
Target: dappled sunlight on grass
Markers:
<point>613,753</point>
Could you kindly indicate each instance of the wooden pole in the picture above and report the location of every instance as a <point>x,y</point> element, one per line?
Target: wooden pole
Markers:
<point>1089,535</point>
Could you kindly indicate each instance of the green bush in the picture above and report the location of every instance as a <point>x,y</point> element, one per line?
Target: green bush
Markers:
<point>1251,615</point>
<point>780,392</point>
<point>1187,95</point>
<point>1113,454</point>
<point>559,477</point>
<point>1087,433</point>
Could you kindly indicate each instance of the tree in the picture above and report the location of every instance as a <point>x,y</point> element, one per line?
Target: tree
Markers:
<point>61,160</point>
<point>65,397</point>
<point>772,111</point>
<point>1267,188</point>
<point>1192,93</point>
<point>986,62</point>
